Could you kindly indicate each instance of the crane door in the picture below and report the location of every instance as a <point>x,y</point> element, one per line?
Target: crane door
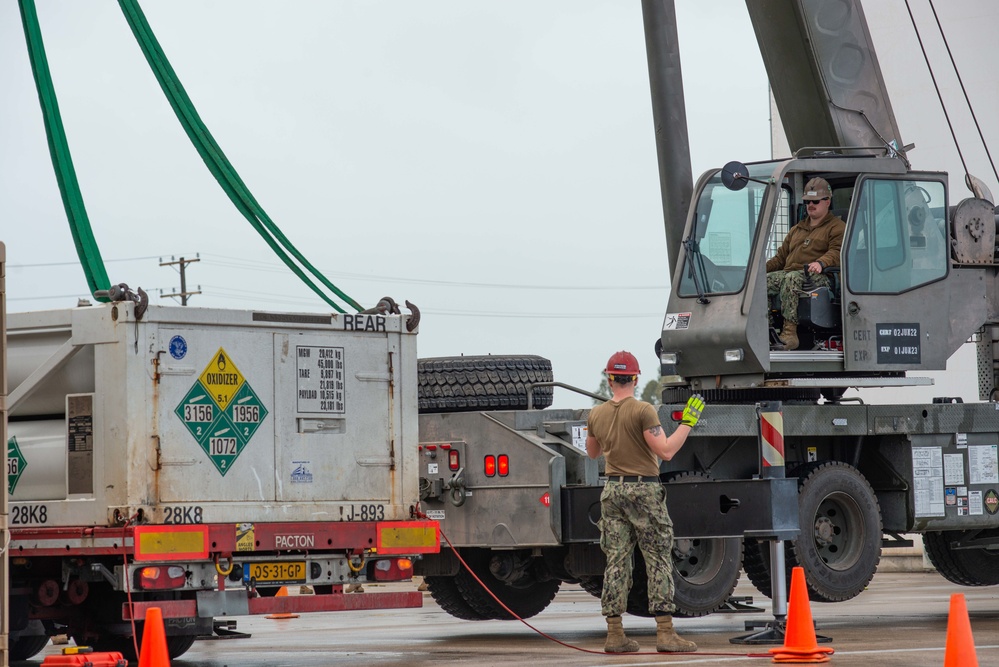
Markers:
<point>903,306</point>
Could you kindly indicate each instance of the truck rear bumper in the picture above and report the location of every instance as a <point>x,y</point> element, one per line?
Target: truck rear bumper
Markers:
<point>214,604</point>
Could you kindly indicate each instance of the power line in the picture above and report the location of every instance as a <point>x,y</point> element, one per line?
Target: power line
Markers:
<point>77,262</point>
<point>239,263</point>
<point>261,297</point>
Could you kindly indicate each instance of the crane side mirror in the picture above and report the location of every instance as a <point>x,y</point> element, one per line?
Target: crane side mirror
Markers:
<point>735,176</point>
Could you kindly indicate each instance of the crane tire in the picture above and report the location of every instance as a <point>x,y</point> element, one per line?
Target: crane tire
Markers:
<point>839,546</point>
<point>491,382</point>
<point>801,395</point>
<point>445,593</point>
<point>965,567</point>
<point>525,600</point>
<point>705,570</point>
<point>756,563</point>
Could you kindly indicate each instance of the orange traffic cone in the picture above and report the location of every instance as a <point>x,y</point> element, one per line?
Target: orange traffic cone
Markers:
<point>154,644</point>
<point>960,651</point>
<point>800,644</point>
<point>282,592</point>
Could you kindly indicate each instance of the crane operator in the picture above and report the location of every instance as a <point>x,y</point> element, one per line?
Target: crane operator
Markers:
<point>812,245</point>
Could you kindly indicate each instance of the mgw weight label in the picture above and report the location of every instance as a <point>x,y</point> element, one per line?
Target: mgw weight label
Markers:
<point>320,379</point>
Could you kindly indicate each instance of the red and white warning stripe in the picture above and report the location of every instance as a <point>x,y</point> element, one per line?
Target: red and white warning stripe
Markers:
<point>772,431</point>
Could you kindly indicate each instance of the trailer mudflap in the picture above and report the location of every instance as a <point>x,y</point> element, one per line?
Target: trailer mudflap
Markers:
<point>715,508</point>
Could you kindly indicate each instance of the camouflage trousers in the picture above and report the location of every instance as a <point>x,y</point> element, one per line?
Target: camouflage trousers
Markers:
<point>788,285</point>
<point>633,513</point>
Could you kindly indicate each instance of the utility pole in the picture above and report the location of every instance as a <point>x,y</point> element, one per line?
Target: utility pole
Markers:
<point>183,293</point>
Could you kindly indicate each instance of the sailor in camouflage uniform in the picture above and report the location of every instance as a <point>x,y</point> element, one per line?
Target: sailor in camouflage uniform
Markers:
<point>813,245</point>
<point>633,503</point>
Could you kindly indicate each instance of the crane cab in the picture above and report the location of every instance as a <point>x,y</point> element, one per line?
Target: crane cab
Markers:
<point>899,301</point>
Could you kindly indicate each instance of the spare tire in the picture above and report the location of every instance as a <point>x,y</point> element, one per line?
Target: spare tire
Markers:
<point>492,382</point>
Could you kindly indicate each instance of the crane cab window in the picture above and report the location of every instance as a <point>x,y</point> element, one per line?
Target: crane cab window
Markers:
<point>721,237</point>
<point>898,236</point>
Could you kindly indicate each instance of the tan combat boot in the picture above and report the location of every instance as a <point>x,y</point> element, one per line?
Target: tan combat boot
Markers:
<point>617,642</point>
<point>789,335</point>
<point>667,641</point>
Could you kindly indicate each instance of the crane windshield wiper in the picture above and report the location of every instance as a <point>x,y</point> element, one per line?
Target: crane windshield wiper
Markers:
<point>695,267</point>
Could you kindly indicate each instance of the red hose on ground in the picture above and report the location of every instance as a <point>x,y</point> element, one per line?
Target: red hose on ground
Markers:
<point>570,646</point>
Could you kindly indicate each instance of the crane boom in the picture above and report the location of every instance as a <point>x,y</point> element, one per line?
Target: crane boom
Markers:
<point>824,73</point>
<point>670,119</point>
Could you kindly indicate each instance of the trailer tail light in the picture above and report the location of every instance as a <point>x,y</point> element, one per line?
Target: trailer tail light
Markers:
<point>504,465</point>
<point>393,569</point>
<point>676,415</point>
<point>453,459</point>
<point>160,577</point>
<point>490,465</point>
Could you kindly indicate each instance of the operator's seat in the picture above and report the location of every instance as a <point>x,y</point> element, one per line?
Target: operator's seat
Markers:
<point>819,310</point>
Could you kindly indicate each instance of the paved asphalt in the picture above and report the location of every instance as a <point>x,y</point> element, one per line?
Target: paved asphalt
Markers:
<point>900,620</point>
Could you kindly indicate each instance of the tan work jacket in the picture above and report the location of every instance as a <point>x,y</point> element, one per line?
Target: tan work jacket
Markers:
<point>805,244</point>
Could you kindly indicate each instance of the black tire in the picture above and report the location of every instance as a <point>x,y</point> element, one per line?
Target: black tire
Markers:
<point>445,593</point>
<point>802,395</point>
<point>467,384</point>
<point>529,598</point>
<point>705,570</point>
<point>177,645</point>
<point>839,546</point>
<point>965,567</point>
<point>756,563</point>
<point>593,585</point>
<point>638,596</point>
<point>840,543</point>
<point>25,648</point>
<point>701,590</point>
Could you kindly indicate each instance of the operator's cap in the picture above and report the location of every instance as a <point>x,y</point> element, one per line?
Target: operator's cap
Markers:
<point>816,189</point>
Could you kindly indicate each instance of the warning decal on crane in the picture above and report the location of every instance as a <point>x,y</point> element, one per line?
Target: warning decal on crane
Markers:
<point>221,411</point>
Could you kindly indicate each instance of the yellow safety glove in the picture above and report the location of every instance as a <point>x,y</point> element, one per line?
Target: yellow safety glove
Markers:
<point>691,413</point>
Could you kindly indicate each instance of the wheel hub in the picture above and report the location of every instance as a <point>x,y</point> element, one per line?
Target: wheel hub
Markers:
<point>824,531</point>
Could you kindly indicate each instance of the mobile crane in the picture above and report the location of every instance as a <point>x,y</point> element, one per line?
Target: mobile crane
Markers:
<point>861,476</point>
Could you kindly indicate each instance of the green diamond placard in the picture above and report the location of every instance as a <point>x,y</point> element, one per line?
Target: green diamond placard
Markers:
<point>221,411</point>
<point>223,444</point>
<point>198,412</point>
<point>16,463</point>
<point>246,412</point>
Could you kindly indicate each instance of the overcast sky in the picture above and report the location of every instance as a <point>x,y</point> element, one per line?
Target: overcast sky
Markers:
<point>492,162</point>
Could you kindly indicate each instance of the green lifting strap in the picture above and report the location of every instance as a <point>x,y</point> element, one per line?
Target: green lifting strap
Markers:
<point>216,160</point>
<point>62,161</point>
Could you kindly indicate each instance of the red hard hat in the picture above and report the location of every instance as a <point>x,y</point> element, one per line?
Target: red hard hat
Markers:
<point>622,363</point>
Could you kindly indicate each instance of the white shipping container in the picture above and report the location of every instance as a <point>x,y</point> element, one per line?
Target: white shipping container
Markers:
<point>193,415</point>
